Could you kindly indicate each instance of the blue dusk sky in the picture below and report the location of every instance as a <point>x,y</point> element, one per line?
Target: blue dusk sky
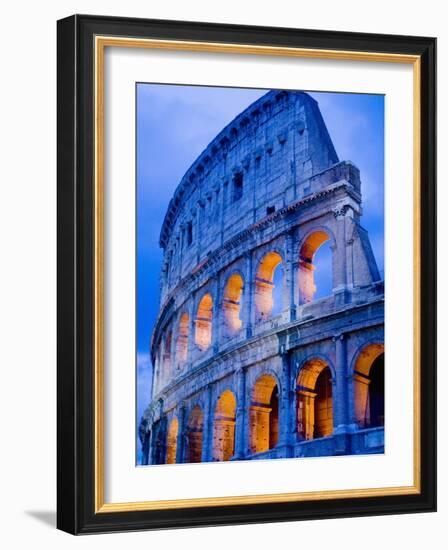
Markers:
<point>176,123</point>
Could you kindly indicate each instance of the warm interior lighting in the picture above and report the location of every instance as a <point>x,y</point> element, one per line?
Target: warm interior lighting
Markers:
<point>171,441</point>
<point>224,427</point>
<point>203,322</point>
<point>194,435</point>
<point>368,380</point>
<point>314,400</point>
<point>232,304</point>
<point>307,287</point>
<point>182,339</point>
<point>264,415</point>
<point>264,285</point>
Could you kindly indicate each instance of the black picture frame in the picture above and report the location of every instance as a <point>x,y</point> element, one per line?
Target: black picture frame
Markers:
<point>76,511</point>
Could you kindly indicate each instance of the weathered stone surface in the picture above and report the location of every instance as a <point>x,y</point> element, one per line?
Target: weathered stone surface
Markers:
<point>267,191</point>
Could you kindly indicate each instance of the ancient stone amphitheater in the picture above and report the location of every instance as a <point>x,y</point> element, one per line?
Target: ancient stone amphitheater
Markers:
<point>247,362</point>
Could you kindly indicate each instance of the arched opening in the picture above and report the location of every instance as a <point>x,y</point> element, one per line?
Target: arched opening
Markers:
<point>203,322</point>
<point>376,392</point>
<point>182,339</point>
<point>195,429</point>
<point>167,356</point>
<point>232,304</point>
<point>368,380</point>
<point>171,441</point>
<point>273,419</point>
<point>311,262</point>
<point>269,287</point>
<point>264,425</point>
<point>224,427</point>
<point>314,400</point>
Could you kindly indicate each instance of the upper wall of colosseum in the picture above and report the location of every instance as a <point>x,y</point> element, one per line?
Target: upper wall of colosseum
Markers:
<point>272,154</point>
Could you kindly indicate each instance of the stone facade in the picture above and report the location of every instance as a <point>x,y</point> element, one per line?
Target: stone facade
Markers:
<point>241,371</point>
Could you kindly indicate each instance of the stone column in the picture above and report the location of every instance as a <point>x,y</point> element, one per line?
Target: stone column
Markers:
<point>253,290</point>
<point>207,430</point>
<point>340,250</point>
<point>181,434</point>
<point>289,292</point>
<point>305,415</point>
<point>145,439</point>
<point>285,404</point>
<point>182,247</point>
<point>191,346</point>
<point>178,256</point>
<point>248,297</point>
<point>359,412</point>
<point>339,257</point>
<point>241,415</point>
<point>259,437</point>
<point>152,446</point>
<point>341,419</point>
<point>222,208</point>
<point>217,315</point>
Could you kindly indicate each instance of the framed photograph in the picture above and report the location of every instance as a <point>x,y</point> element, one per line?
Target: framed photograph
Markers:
<point>246,274</point>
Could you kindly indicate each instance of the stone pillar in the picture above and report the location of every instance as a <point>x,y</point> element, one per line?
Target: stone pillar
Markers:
<point>217,319</point>
<point>152,445</point>
<point>249,289</point>
<point>285,405</point>
<point>222,208</point>
<point>241,415</point>
<point>223,439</point>
<point>182,247</point>
<point>178,256</point>
<point>207,431</point>
<point>340,256</point>
<point>341,419</point>
<point>201,217</point>
<point>289,292</point>
<point>191,346</point>
<point>259,436</point>
<point>294,288</point>
<point>195,231</point>
<point>305,414</point>
<point>181,434</point>
<point>145,439</point>
<point>359,394</point>
<point>253,290</point>
<point>349,252</point>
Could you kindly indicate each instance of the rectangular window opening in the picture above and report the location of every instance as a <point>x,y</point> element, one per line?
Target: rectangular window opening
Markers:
<point>189,233</point>
<point>237,187</point>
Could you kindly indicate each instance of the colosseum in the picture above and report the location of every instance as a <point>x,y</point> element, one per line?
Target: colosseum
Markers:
<point>248,362</point>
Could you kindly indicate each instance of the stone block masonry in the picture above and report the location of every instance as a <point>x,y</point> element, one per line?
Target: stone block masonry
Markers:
<point>247,363</point>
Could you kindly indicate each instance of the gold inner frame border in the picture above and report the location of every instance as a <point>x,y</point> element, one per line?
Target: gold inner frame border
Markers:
<point>100,43</point>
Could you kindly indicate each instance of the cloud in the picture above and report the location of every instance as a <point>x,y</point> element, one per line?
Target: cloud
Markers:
<point>144,382</point>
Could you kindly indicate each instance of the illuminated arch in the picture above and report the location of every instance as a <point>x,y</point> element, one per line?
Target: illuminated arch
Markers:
<point>203,322</point>
<point>232,304</point>
<point>314,400</point>
<point>368,386</point>
<point>195,428</point>
<point>224,427</point>
<point>307,265</point>
<point>182,339</point>
<point>265,304</point>
<point>264,423</point>
<point>171,441</point>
